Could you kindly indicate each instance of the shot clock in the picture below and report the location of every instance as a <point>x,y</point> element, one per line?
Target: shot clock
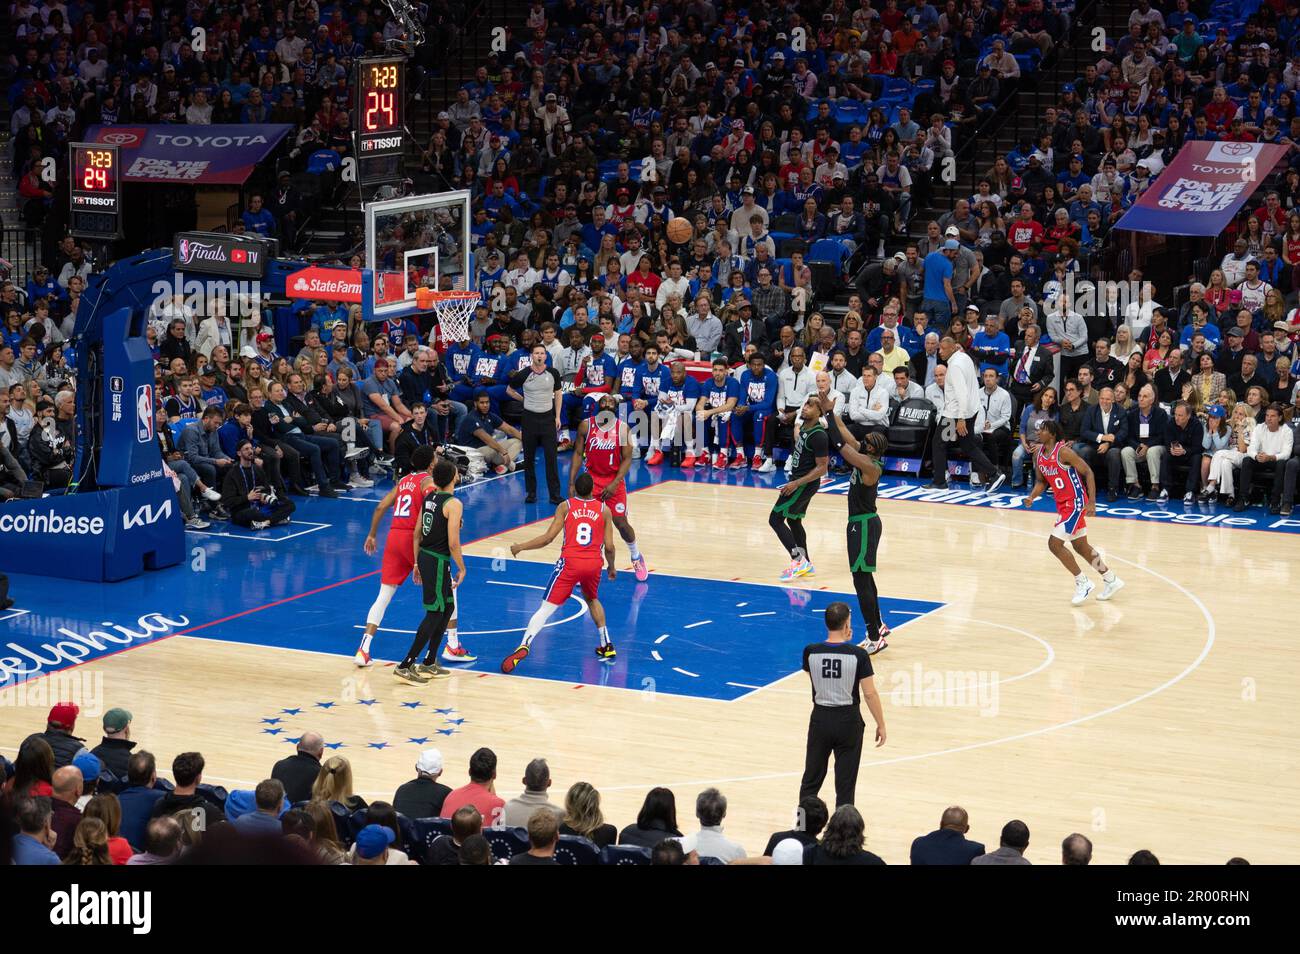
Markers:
<point>95,190</point>
<point>380,120</point>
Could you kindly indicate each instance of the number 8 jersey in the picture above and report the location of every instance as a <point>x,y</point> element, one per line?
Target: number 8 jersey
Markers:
<point>584,533</point>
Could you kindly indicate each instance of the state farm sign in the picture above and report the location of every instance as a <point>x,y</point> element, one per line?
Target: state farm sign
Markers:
<point>325,284</point>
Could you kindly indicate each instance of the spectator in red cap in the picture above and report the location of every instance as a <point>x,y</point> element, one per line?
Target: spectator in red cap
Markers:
<point>58,733</point>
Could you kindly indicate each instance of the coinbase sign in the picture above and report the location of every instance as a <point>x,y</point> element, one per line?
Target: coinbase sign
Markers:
<point>104,535</point>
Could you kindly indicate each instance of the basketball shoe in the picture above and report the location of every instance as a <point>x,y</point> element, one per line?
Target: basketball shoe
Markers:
<point>514,659</point>
<point>458,655</point>
<point>433,671</point>
<point>410,675</point>
<point>1110,589</point>
<point>606,652</point>
<point>641,570</point>
<point>738,461</point>
<point>362,659</point>
<point>1082,590</point>
<point>876,646</point>
<point>690,460</point>
<point>720,461</point>
<point>656,457</point>
<point>767,467</point>
<point>797,568</point>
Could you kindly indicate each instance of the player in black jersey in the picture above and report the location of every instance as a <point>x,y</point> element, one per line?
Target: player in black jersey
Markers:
<point>864,524</point>
<point>437,545</point>
<point>808,465</point>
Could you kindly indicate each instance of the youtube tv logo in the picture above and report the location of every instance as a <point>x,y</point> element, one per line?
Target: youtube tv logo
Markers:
<point>239,255</point>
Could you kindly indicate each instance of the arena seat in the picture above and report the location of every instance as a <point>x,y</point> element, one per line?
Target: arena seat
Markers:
<point>624,855</point>
<point>910,425</point>
<point>506,842</point>
<point>573,850</point>
<point>178,426</point>
<point>425,830</point>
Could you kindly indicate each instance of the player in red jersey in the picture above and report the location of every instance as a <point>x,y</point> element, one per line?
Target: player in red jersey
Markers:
<point>605,443</point>
<point>587,528</point>
<point>405,499</point>
<point>1056,464</point>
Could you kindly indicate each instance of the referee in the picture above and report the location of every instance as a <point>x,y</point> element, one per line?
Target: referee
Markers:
<point>538,387</point>
<point>838,670</point>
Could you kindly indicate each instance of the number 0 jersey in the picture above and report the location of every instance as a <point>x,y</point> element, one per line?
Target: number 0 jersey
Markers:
<point>407,503</point>
<point>1064,480</point>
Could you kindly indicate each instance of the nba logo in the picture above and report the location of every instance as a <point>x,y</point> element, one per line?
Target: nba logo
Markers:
<point>116,384</point>
<point>144,413</point>
<point>185,251</point>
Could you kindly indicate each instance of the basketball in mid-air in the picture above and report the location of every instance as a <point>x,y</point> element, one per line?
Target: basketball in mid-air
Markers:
<point>680,230</point>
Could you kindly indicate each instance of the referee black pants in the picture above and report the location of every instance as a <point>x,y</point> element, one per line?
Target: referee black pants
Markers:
<point>538,428</point>
<point>833,731</point>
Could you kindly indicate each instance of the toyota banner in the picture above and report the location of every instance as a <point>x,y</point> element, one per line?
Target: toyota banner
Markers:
<point>1203,188</point>
<point>195,155</point>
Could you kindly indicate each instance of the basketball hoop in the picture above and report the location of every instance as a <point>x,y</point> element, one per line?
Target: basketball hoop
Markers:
<point>453,309</point>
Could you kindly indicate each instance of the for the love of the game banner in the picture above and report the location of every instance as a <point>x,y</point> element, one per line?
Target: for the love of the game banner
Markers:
<point>1201,190</point>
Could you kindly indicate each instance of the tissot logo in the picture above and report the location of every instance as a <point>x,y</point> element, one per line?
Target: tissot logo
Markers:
<point>375,145</point>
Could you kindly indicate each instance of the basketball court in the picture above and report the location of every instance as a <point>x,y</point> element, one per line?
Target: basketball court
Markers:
<point>1163,719</point>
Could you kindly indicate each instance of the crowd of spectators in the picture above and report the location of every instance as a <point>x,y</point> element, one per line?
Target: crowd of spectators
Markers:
<point>798,149</point>
<point>64,801</point>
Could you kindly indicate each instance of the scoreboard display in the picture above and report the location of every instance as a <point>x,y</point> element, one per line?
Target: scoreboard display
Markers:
<point>380,120</point>
<point>95,190</point>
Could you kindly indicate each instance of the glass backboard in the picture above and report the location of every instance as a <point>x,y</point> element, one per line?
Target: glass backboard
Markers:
<point>421,240</point>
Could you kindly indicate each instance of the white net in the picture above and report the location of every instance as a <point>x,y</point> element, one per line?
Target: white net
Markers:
<point>454,310</point>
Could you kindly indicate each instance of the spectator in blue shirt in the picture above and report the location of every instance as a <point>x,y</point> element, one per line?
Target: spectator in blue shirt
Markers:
<point>257,219</point>
<point>42,285</point>
<point>991,347</point>
<point>265,819</point>
<point>33,845</point>
<point>938,300</point>
<point>139,797</point>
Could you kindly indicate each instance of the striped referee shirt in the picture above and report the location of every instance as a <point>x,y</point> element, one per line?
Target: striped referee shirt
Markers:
<point>835,670</point>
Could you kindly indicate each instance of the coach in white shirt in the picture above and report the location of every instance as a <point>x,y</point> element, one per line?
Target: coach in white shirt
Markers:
<point>961,404</point>
<point>869,405</point>
<point>905,389</point>
<point>934,391</point>
<point>825,388</point>
<point>794,383</point>
<point>993,419</point>
<point>842,379</point>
